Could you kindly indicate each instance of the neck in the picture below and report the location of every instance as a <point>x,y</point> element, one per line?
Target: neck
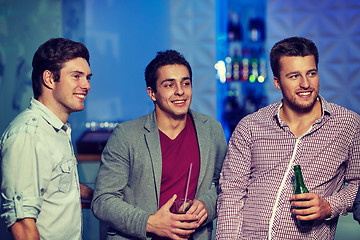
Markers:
<point>63,116</point>
<point>300,122</point>
<point>171,126</point>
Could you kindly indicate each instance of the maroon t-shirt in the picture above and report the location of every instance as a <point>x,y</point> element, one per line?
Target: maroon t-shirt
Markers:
<point>177,155</point>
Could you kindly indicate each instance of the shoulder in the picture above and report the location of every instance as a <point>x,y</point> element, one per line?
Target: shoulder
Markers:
<point>25,122</point>
<point>130,135</point>
<point>132,128</point>
<point>209,130</point>
<point>342,114</point>
<point>196,116</point>
<point>265,114</point>
<point>135,123</point>
<point>264,118</point>
<point>203,118</point>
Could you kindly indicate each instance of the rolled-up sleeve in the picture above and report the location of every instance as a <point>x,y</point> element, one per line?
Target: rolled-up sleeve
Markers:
<point>21,186</point>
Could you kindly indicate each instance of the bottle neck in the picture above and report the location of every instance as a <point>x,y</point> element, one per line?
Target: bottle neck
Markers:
<point>299,178</point>
<point>299,186</point>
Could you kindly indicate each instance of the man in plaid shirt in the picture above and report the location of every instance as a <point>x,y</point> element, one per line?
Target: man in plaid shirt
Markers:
<point>256,199</point>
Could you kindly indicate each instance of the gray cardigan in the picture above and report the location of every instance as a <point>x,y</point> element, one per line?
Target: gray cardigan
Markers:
<point>127,187</point>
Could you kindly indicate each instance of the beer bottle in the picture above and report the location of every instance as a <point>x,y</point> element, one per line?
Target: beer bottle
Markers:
<point>299,187</point>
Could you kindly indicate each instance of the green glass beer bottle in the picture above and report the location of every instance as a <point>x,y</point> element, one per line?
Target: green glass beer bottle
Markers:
<point>299,187</point>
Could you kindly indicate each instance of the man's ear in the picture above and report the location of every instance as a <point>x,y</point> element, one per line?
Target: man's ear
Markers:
<point>277,83</point>
<point>48,79</point>
<point>151,93</point>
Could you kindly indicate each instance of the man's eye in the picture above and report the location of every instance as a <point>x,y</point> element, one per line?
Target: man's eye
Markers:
<point>293,76</point>
<point>169,85</point>
<point>312,74</point>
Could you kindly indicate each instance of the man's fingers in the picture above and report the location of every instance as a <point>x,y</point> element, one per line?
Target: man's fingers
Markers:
<point>170,202</point>
<point>303,196</point>
<point>301,204</point>
<point>186,218</point>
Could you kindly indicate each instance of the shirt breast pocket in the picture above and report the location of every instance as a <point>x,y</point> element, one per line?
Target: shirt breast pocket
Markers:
<point>66,176</point>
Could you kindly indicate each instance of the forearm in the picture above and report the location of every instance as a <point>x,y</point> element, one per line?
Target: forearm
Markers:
<point>341,203</point>
<point>86,192</point>
<point>230,203</point>
<point>25,229</point>
<point>209,196</point>
<point>112,187</point>
<point>120,215</point>
<point>233,184</point>
<point>229,216</point>
<point>209,199</point>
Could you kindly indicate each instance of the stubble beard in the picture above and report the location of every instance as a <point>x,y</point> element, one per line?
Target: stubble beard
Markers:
<point>302,107</point>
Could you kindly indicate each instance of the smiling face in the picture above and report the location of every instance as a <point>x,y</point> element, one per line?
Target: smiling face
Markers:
<point>174,92</point>
<point>299,82</point>
<point>70,91</point>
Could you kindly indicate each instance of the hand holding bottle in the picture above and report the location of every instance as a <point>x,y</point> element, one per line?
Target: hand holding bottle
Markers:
<point>307,206</point>
<point>313,208</point>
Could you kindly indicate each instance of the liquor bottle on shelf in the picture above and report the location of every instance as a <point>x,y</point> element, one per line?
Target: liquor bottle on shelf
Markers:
<point>262,66</point>
<point>254,69</point>
<point>257,29</point>
<point>236,67</point>
<point>228,64</point>
<point>245,70</point>
<point>235,34</point>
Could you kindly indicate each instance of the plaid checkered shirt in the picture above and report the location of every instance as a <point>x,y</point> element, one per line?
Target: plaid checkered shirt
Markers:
<point>256,179</point>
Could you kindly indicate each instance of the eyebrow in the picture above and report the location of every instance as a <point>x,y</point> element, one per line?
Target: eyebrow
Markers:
<point>80,72</point>
<point>297,72</point>
<point>173,79</point>
<point>291,73</point>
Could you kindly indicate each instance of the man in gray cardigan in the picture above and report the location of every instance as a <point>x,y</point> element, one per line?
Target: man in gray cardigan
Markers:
<point>147,162</point>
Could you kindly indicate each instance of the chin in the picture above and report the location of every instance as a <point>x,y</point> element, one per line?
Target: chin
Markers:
<point>78,109</point>
<point>305,108</point>
<point>179,115</point>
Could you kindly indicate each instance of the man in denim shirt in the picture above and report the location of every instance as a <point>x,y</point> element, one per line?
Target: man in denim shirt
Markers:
<point>40,187</point>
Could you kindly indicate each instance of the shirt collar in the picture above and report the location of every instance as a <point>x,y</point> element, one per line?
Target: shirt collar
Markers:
<point>48,115</point>
<point>325,108</point>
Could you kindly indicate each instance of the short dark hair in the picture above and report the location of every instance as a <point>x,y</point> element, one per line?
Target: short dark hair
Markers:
<point>51,56</point>
<point>163,58</point>
<point>294,46</point>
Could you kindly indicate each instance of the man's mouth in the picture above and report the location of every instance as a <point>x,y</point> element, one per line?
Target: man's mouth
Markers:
<point>304,93</point>
<point>179,101</point>
<point>79,95</point>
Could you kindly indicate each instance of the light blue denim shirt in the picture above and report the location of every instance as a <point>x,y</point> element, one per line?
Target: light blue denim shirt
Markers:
<point>39,174</point>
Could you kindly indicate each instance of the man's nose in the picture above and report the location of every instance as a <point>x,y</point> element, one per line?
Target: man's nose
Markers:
<point>85,84</point>
<point>304,82</point>
<point>179,90</point>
